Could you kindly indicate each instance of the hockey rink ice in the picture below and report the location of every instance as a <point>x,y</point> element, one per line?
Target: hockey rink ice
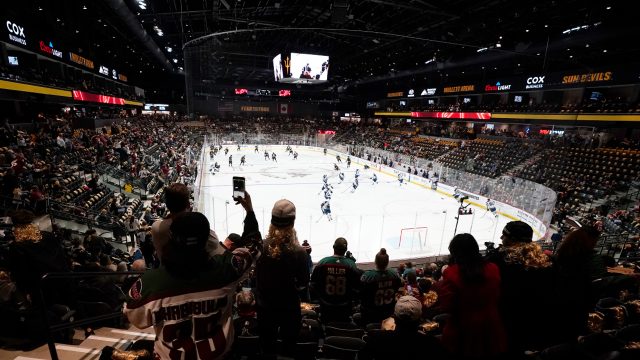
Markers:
<point>371,217</point>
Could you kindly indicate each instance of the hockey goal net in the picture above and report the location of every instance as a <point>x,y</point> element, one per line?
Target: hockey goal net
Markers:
<point>414,236</point>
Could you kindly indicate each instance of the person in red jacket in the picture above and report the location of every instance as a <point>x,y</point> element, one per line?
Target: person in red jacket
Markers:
<point>469,293</point>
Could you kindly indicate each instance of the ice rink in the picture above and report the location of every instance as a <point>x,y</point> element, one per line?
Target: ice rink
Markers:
<point>371,217</point>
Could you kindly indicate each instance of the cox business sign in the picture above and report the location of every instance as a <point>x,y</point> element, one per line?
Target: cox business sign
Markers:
<point>16,33</point>
<point>535,82</point>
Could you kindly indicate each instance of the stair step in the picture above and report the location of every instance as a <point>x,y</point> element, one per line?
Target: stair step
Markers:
<point>98,342</point>
<point>131,335</point>
<point>71,352</point>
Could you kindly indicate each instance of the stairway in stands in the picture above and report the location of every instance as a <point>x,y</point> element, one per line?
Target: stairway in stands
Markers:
<point>89,348</point>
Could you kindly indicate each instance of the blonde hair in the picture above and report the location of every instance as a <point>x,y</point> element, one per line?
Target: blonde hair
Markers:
<point>279,237</point>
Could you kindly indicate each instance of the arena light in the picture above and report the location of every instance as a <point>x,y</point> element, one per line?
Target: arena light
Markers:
<point>169,49</point>
<point>158,30</point>
<point>142,4</point>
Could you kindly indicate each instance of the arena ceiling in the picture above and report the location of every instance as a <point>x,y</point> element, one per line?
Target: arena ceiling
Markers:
<point>367,40</point>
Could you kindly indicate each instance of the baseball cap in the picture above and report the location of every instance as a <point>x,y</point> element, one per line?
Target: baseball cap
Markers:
<point>518,231</point>
<point>408,308</point>
<point>283,213</point>
<point>190,230</point>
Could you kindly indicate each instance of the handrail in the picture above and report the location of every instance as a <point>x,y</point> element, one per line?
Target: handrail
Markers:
<point>50,329</point>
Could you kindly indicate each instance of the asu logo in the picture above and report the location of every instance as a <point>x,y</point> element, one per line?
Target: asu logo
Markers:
<point>286,65</point>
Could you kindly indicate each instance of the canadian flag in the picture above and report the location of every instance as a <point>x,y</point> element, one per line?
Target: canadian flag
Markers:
<point>285,109</point>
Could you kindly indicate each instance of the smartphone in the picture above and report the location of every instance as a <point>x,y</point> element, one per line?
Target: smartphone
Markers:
<point>238,186</point>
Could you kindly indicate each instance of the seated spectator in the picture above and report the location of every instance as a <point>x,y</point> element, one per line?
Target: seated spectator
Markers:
<point>246,324</point>
<point>404,339</point>
<point>33,254</point>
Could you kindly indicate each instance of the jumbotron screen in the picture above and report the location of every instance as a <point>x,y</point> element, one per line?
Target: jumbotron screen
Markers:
<point>301,68</point>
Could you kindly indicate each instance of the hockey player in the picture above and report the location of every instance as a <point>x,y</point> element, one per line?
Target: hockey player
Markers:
<point>491,206</point>
<point>230,160</point>
<point>325,151</point>
<point>255,149</point>
<point>327,194</point>
<point>210,154</point>
<point>326,209</point>
<point>327,186</point>
<point>338,158</point>
<point>400,178</point>
<point>348,161</point>
<point>226,151</point>
<point>325,178</point>
<point>335,167</point>
<point>374,179</point>
<point>295,155</point>
<point>341,177</point>
<point>456,193</point>
<point>238,147</point>
<point>354,185</point>
<point>266,155</point>
<point>242,159</point>
<point>273,157</point>
<point>357,174</point>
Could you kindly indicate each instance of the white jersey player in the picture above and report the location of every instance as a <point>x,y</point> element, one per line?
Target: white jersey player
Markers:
<point>491,206</point>
<point>400,178</point>
<point>357,174</point>
<point>327,194</point>
<point>326,209</point>
<point>354,185</point>
<point>325,178</point>
<point>341,177</point>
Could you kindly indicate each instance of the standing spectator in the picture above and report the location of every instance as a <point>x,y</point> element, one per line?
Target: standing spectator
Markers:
<point>193,290</point>
<point>336,281</point>
<point>469,293</point>
<point>281,274</point>
<point>525,273</point>
<point>132,226</point>
<point>378,293</point>
<point>574,263</point>
<point>176,197</point>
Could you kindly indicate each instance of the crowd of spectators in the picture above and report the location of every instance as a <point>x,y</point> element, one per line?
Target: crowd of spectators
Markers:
<point>471,306</point>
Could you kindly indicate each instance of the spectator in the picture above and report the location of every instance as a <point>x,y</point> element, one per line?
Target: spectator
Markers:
<point>32,254</point>
<point>191,282</point>
<point>404,339</point>
<point>132,226</point>
<point>246,324</point>
<point>378,293</point>
<point>525,273</point>
<point>335,281</point>
<point>469,294</point>
<point>575,264</point>
<point>177,200</point>
<point>281,274</point>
